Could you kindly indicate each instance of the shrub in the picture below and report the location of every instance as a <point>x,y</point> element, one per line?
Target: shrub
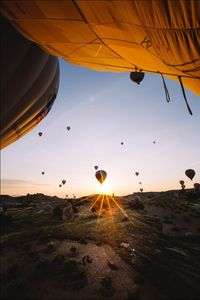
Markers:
<point>57,211</point>
<point>12,271</point>
<point>5,218</point>
<point>33,254</point>
<point>17,286</point>
<point>74,270</point>
<point>73,249</point>
<point>86,259</point>
<point>42,266</point>
<point>112,266</point>
<point>106,281</point>
<point>59,259</point>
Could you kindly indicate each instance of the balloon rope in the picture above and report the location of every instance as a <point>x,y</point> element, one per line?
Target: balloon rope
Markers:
<point>184,95</point>
<point>165,89</point>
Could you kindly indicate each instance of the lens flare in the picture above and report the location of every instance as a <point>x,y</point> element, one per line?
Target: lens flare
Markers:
<point>105,188</point>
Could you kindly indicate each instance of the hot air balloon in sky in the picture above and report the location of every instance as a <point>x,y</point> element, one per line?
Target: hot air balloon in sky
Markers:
<point>101,175</point>
<point>43,172</point>
<point>40,133</point>
<point>190,173</point>
<point>68,128</point>
<point>137,77</point>
<point>136,173</point>
<point>63,181</point>
<point>197,186</point>
<point>60,185</point>
<point>140,182</point>
<point>122,143</point>
<point>181,182</point>
<point>96,167</point>
<point>29,84</point>
<point>141,190</point>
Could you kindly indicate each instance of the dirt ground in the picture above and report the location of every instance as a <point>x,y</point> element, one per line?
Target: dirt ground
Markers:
<point>148,253</point>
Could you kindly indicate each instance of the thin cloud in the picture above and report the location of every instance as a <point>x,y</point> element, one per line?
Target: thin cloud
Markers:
<point>8,182</point>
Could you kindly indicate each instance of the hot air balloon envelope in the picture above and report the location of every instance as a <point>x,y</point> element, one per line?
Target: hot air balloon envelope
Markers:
<point>101,176</point>
<point>96,167</point>
<point>181,182</point>
<point>136,173</point>
<point>115,35</point>
<point>29,84</point>
<point>190,173</point>
<point>63,181</point>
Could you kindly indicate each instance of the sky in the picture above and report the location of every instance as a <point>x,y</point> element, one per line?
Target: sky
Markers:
<point>104,109</point>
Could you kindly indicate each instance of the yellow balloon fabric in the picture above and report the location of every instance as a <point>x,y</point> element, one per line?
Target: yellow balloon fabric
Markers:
<point>159,36</point>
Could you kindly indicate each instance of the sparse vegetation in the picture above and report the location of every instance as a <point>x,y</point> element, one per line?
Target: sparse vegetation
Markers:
<point>106,281</point>
<point>43,239</point>
<point>112,266</point>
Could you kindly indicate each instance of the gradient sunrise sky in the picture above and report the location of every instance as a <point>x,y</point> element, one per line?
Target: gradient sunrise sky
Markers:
<point>104,109</point>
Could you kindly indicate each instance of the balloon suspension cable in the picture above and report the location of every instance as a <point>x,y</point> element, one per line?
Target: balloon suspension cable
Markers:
<point>184,95</point>
<point>165,88</point>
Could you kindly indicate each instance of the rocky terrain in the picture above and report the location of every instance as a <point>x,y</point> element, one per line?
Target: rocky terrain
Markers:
<point>144,247</point>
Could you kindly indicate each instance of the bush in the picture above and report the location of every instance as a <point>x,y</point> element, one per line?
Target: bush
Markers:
<point>33,254</point>
<point>106,281</point>
<point>59,259</point>
<point>57,211</point>
<point>5,218</point>
<point>86,259</point>
<point>50,246</point>
<point>74,270</point>
<point>73,249</point>
<point>12,271</point>
<point>17,287</point>
<point>112,266</point>
<point>42,267</point>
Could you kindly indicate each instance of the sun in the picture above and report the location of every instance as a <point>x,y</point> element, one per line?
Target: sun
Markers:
<point>105,188</point>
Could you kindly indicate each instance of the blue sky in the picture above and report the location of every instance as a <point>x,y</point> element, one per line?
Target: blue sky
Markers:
<point>104,109</point>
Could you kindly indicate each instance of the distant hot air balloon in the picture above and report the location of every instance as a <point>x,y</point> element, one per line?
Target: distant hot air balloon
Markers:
<point>181,182</point>
<point>68,127</point>
<point>40,133</point>
<point>154,142</point>
<point>29,84</point>
<point>136,173</point>
<point>141,190</point>
<point>190,173</point>
<point>122,143</point>
<point>140,182</point>
<point>101,176</point>
<point>96,167</point>
<point>63,181</point>
<point>183,186</point>
<point>60,185</point>
<point>137,77</point>
<point>43,173</point>
<point>197,186</point>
